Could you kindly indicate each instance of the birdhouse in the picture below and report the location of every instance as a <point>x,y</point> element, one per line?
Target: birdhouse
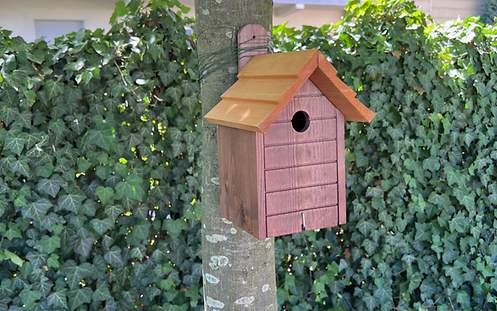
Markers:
<point>281,144</point>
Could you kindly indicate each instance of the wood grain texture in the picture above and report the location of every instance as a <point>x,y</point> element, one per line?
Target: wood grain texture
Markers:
<point>284,224</point>
<point>313,219</point>
<point>253,40</point>
<point>342,191</point>
<point>275,79</point>
<point>309,104</point>
<point>278,157</point>
<point>325,217</point>
<point>308,89</point>
<point>284,134</point>
<point>239,180</point>
<point>284,65</point>
<point>301,199</point>
<point>299,177</point>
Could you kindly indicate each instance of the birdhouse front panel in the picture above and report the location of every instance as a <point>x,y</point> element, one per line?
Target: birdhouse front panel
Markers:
<point>301,149</point>
<point>281,144</point>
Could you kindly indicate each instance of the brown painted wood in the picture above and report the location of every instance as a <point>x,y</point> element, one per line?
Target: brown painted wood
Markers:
<point>301,199</point>
<point>284,224</point>
<point>253,40</point>
<point>308,89</point>
<point>309,104</point>
<point>261,186</point>
<point>240,178</point>
<point>284,134</point>
<point>302,176</point>
<point>300,154</point>
<point>313,219</point>
<point>342,194</point>
<point>320,218</point>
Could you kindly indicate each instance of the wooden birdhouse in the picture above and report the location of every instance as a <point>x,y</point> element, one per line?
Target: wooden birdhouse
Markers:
<point>281,144</point>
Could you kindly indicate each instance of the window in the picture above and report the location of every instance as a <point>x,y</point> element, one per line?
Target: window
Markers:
<point>50,29</point>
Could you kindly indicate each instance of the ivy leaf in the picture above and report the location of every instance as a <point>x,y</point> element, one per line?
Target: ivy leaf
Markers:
<point>57,300</point>
<point>21,167</point>
<point>101,293</point>
<point>53,89</point>
<point>114,257</point>
<point>102,225</point>
<point>15,143</point>
<point>49,186</point>
<point>105,194</point>
<point>102,138</point>
<point>29,297</point>
<point>70,202</point>
<point>37,210</point>
<point>119,11</point>
<point>48,244</point>
<point>13,258</point>
<point>79,297</point>
<point>75,274</point>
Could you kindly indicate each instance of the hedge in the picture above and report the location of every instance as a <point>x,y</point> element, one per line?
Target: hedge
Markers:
<point>489,11</point>
<point>421,178</point>
<point>99,189</point>
<point>98,168</point>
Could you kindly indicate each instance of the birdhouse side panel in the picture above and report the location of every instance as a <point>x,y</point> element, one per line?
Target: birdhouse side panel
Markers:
<point>342,194</point>
<point>241,179</point>
<point>301,165</point>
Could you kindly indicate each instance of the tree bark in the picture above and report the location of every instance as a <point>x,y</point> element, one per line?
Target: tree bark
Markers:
<point>238,270</point>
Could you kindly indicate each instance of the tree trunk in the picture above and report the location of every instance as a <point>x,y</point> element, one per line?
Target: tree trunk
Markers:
<point>238,270</point>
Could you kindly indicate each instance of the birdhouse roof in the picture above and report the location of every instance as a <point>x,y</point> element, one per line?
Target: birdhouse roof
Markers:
<point>269,82</point>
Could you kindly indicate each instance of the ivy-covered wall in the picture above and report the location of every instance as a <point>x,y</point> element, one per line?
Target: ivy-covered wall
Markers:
<point>489,11</point>
<point>99,176</point>
<point>421,178</point>
<point>98,167</point>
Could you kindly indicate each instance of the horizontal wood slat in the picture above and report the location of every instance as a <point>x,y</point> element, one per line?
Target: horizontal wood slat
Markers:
<point>321,218</point>
<point>301,199</point>
<point>284,224</point>
<point>313,219</point>
<point>284,134</point>
<point>298,177</point>
<point>300,154</point>
<point>313,105</point>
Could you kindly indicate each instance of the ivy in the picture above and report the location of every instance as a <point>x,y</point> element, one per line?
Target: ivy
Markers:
<point>421,178</point>
<point>489,11</point>
<point>98,161</point>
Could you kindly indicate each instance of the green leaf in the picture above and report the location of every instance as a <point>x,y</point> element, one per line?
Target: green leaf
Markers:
<point>79,297</point>
<point>15,143</point>
<point>114,257</point>
<point>104,139</point>
<point>101,293</point>
<point>119,11</point>
<point>70,202</point>
<point>49,186</point>
<point>53,89</point>
<point>48,244</point>
<point>37,210</point>
<point>75,274</point>
<point>13,258</point>
<point>105,194</point>
<point>29,297</point>
<point>57,300</point>
<point>102,225</point>
<point>21,167</point>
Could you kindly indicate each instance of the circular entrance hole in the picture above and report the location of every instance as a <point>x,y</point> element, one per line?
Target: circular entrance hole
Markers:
<point>300,121</point>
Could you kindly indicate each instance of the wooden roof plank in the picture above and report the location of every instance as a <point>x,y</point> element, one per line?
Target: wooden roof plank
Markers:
<point>268,83</point>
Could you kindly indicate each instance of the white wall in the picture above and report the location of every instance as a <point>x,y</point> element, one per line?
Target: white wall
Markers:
<point>19,15</point>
